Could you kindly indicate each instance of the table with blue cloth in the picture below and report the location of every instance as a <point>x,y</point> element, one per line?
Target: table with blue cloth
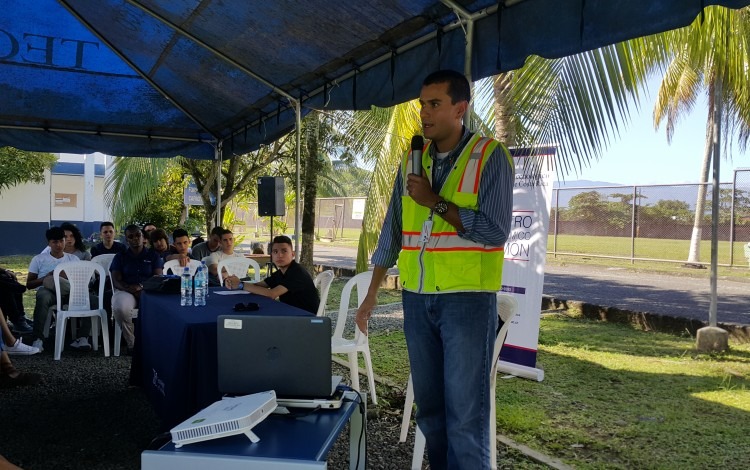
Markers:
<point>289,443</point>
<point>175,356</point>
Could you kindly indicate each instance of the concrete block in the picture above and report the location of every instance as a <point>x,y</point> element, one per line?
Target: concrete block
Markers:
<point>711,339</point>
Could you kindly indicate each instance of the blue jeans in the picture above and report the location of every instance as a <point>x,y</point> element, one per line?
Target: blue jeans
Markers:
<point>450,338</point>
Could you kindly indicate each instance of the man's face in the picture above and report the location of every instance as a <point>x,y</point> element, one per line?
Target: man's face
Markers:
<point>70,239</point>
<point>282,254</point>
<point>134,238</point>
<point>161,245</point>
<point>108,234</point>
<point>56,247</point>
<point>439,116</point>
<point>227,243</point>
<point>182,245</point>
<point>214,241</point>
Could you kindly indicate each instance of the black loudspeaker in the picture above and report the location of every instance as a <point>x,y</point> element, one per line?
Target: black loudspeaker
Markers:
<point>270,196</point>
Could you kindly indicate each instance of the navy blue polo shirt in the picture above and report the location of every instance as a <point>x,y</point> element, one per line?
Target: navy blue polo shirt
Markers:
<point>136,268</point>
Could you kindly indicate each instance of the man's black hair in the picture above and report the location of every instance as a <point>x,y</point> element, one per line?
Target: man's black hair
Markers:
<point>54,233</point>
<point>218,231</point>
<point>458,85</point>
<point>282,239</point>
<point>180,232</point>
<point>106,224</point>
<point>133,228</point>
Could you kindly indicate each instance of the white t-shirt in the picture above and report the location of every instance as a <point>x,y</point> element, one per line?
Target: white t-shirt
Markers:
<point>217,256</point>
<point>44,263</point>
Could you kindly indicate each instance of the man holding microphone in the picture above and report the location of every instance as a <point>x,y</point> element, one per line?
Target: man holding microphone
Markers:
<point>447,223</point>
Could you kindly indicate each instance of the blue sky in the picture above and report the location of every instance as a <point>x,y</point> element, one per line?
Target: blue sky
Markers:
<point>642,155</point>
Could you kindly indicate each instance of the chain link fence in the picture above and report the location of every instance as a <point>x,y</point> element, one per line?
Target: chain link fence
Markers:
<point>651,222</point>
<point>335,218</point>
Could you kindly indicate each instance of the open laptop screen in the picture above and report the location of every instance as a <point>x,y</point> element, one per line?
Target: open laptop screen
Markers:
<point>291,355</point>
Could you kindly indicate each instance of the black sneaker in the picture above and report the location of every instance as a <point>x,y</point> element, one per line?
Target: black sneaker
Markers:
<point>21,326</point>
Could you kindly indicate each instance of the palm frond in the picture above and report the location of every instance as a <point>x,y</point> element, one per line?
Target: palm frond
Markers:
<point>131,182</point>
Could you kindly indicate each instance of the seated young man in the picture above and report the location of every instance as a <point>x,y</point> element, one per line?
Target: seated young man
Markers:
<point>108,245</point>
<point>180,249</point>
<point>40,278</point>
<point>160,243</point>
<point>215,278</point>
<point>291,284</point>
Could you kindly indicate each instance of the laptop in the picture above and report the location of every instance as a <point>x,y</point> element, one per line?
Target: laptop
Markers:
<point>288,354</point>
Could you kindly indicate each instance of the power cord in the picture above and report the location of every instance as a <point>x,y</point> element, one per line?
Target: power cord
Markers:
<point>362,431</point>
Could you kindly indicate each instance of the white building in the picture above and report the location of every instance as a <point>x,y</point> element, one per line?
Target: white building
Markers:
<point>72,192</point>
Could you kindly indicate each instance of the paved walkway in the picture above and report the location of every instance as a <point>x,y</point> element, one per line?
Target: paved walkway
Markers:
<point>660,294</point>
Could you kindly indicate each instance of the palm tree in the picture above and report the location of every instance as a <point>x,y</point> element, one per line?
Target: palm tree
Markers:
<point>134,180</point>
<point>709,56</point>
<point>575,103</point>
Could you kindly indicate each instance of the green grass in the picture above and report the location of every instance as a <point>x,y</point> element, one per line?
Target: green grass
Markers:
<point>615,397</point>
<point>385,296</point>
<point>668,249</point>
<point>646,248</point>
<point>350,237</point>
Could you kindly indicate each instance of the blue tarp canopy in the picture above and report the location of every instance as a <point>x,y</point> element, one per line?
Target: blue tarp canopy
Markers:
<point>160,78</point>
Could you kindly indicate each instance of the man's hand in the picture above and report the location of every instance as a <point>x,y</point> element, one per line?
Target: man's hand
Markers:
<point>364,312</point>
<point>232,282</point>
<point>184,261</point>
<point>419,188</point>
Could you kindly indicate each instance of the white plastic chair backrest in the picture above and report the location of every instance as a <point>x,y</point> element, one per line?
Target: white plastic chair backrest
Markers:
<point>362,282</point>
<point>79,273</point>
<point>174,266</point>
<point>323,283</point>
<point>239,266</point>
<point>105,261</point>
<point>507,307</point>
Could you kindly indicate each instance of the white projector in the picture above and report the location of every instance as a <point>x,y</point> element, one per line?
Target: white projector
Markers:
<point>226,417</point>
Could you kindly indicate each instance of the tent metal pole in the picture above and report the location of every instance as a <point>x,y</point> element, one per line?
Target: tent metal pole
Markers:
<point>297,219</point>
<point>465,17</point>
<point>219,148</point>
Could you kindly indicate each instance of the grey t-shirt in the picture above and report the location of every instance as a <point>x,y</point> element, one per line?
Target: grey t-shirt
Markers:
<point>201,250</point>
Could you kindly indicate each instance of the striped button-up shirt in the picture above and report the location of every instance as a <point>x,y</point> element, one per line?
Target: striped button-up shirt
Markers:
<point>489,225</point>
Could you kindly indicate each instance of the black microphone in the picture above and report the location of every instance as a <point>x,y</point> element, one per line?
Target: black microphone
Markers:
<point>417,144</point>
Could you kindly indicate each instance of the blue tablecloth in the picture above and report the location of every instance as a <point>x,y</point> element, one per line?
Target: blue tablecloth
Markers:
<point>175,352</point>
<point>285,442</point>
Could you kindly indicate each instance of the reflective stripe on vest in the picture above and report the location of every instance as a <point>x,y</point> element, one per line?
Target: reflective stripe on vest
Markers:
<point>447,262</point>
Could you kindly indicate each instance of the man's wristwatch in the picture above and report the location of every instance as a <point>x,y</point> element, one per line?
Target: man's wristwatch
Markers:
<point>241,285</point>
<point>441,207</point>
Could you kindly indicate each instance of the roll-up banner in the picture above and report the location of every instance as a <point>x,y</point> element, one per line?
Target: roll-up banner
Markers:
<point>525,255</point>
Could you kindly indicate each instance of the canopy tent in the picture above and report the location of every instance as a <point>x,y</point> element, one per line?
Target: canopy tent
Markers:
<point>160,78</point>
<point>198,78</point>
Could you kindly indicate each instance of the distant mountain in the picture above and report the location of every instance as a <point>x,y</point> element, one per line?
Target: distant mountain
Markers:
<point>582,184</point>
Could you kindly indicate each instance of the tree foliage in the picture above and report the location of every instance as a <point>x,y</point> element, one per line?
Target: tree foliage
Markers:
<point>18,166</point>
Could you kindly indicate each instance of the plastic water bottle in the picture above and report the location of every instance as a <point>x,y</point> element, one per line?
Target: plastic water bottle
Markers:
<point>205,278</point>
<point>199,283</point>
<point>186,288</point>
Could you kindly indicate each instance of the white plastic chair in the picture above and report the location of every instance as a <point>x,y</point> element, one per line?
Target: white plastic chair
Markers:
<point>238,266</point>
<point>360,343</point>
<point>174,266</point>
<point>79,273</point>
<point>507,307</point>
<point>105,261</point>
<point>323,283</point>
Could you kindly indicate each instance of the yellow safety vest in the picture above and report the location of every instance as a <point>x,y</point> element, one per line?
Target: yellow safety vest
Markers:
<point>447,262</point>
